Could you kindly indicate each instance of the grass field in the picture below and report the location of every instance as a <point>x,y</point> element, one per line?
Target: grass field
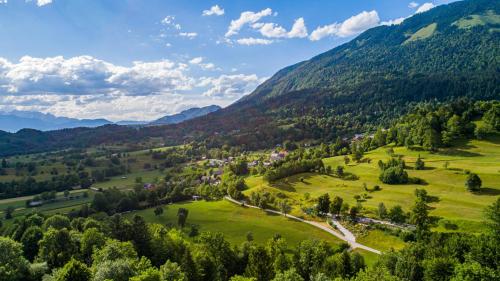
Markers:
<point>235,222</point>
<point>455,202</point>
<point>381,241</point>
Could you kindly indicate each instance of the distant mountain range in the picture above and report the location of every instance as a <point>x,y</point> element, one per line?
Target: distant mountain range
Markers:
<point>185,115</point>
<point>14,121</point>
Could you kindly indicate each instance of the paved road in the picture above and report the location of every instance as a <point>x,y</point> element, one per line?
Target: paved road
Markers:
<point>346,235</point>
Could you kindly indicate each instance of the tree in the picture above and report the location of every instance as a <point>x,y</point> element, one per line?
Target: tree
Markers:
<point>346,160</point>
<point>31,236</point>
<point>397,215</point>
<point>57,222</point>
<point>8,212</point>
<point>336,205</point>
<point>419,163</point>
<point>4,163</point>
<point>472,271</point>
<point>492,213</point>
<point>258,264</point>
<point>171,271</point>
<point>420,217</point>
<point>158,211</point>
<point>289,275</point>
<point>91,240</point>
<point>353,213</point>
<point>13,265</point>
<point>381,211</point>
<point>56,247</point>
<point>394,175</point>
<point>473,182</point>
<point>73,271</point>
<point>339,171</point>
<point>182,215</point>
<point>285,207</point>
<point>66,194</point>
<point>438,269</point>
<point>323,206</point>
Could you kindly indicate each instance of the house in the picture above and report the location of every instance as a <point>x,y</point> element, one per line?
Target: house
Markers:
<point>215,162</point>
<point>278,156</point>
<point>218,172</point>
<point>358,137</point>
<point>196,197</point>
<point>149,186</point>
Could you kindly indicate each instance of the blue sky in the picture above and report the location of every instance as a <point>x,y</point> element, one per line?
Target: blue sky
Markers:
<point>141,59</point>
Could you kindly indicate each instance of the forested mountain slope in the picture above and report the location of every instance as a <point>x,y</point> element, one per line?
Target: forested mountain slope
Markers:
<point>449,52</point>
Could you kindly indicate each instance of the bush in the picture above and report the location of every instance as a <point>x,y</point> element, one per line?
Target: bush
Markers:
<point>473,182</point>
<point>394,175</point>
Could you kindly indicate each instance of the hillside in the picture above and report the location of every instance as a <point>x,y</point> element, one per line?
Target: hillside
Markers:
<point>184,115</point>
<point>449,52</point>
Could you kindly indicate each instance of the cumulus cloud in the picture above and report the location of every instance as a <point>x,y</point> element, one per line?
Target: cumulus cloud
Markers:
<point>352,26</point>
<point>425,7</point>
<point>85,75</point>
<point>413,5</point>
<point>245,18</point>
<point>41,3</point>
<point>272,30</point>
<point>254,41</point>
<point>86,87</point>
<point>214,10</point>
<point>299,29</point>
<point>230,86</point>
<point>393,22</point>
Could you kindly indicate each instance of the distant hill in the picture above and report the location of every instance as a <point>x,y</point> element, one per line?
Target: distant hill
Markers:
<point>451,52</point>
<point>14,121</point>
<point>185,115</point>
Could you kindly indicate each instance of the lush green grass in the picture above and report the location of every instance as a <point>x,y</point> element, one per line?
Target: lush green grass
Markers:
<point>236,221</point>
<point>475,20</point>
<point>128,181</point>
<point>455,202</point>
<point>423,33</point>
<point>381,241</point>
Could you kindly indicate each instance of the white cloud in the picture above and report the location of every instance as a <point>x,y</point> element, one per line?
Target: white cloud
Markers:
<point>41,3</point>
<point>425,7</point>
<point>169,21</point>
<point>393,22</point>
<point>86,87</point>
<point>189,35</point>
<point>299,29</point>
<point>214,10</point>
<point>247,17</point>
<point>254,41</point>
<point>272,30</point>
<point>230,86</point>
<point>86,75</point>
<point>3,1</point>
<point>196,60</point>
<point>413,5</point>
<point>352,26</point>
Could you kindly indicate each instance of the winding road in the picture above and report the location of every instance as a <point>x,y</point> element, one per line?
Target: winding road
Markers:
<point>346,235</point>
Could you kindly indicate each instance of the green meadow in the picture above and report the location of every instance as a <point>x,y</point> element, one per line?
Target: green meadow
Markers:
<point>236,221</point>
<point>454,203</point>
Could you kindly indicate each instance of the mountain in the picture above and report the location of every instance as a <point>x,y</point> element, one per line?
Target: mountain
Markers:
<point>185,115</point>
<point>451,52</point>
<point>14,121</point>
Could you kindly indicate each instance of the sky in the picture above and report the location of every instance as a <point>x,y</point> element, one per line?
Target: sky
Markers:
<point>143,59</point>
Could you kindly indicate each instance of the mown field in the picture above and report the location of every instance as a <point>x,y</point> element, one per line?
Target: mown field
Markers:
<point>454,203</point>
<point>236,221</point>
